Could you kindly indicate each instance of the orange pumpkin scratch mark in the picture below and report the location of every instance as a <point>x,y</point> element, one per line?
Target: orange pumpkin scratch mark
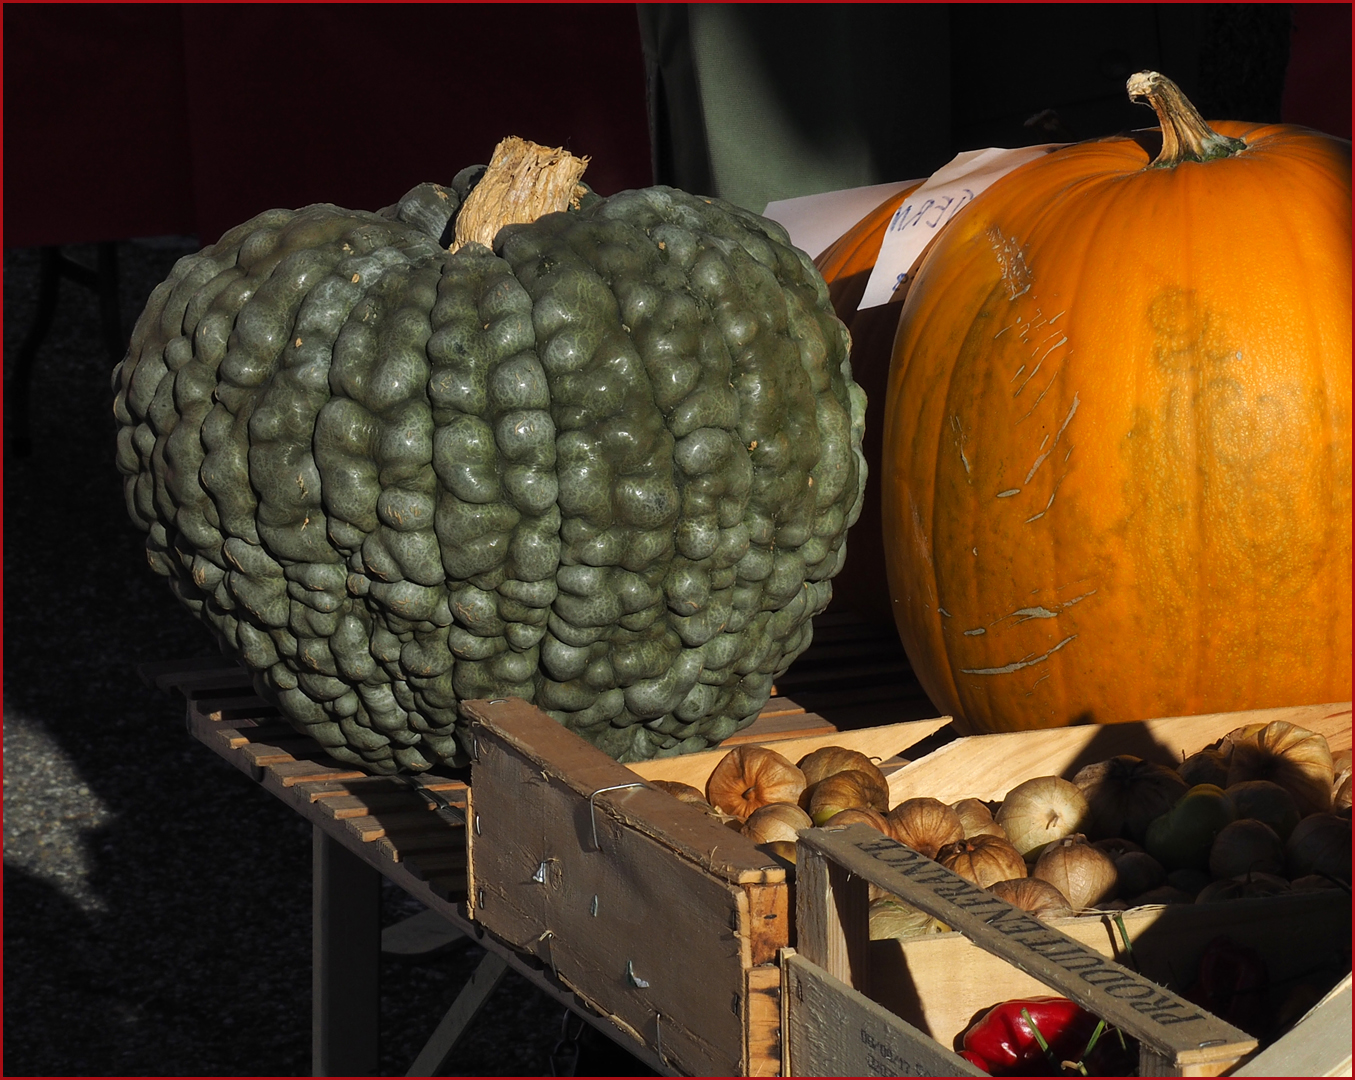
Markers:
<point>1029,660</point>
<point>1062,428</point>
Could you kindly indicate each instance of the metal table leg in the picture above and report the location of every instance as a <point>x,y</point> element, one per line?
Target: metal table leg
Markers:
<point>346,972</point>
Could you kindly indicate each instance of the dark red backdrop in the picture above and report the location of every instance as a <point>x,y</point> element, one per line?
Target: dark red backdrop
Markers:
<point>127,120</point>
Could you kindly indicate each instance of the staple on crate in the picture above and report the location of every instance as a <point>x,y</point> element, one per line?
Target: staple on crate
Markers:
<point>592,807</point>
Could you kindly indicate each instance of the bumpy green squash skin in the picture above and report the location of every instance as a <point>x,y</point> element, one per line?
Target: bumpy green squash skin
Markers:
<point>608,467</point>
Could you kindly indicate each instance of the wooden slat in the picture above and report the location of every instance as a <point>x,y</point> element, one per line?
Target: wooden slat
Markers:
<point>882,743</point>
<point>653,929</point>
<point>239,736</point>
<point>236,707</point>
<point>396,824</point>
<point>449,886</point>
<point>988,766</point>
<point>170,674</point>
<point>614,790</point>
<point>414,845</point>
<point>363,784</point>
<point>789,726</point>
<point>323,770</point>
<point>1175,1035</point>
<point>936,982</point>
<point>427,865</point>
<point>833,1030</point>
<point>1318,1045</point>
<point>762,1022</point>
<point>344,807</point>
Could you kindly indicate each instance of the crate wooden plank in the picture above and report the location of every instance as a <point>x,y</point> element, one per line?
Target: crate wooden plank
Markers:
<point>363,784</point>
<point>988,766</point>
<point>237,737</point>
<point>449,886</point>
<point>1177,1037</point>
<point>299,774</point>
<point>426,866</point>
<point>937,982</point>
<point>245,706</point>
<point>344,807</point>
<point>277,751</point>
<point>613,790</point>
<point>398,823</point>
<point>833,1030</point>
<point>1318,1045</point>
<point>762,1022</point>
<point>779,728</point>
<point>634,900</point>
<point>412,845</point>
<point>881,743</point>
<point>171,674</point>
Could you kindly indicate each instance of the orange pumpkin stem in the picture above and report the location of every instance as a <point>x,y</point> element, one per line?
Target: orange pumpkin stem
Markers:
<point>1185,134</point>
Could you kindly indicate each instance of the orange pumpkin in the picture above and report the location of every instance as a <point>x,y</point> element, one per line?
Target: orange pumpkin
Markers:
<point>846,265</point>
<point>1117,461</point>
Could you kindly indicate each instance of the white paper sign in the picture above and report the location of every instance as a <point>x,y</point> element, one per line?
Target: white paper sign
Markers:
<point>924,213</point>
<point>815,221</point>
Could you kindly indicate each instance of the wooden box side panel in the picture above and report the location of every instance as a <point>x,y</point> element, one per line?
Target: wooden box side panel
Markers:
<point>762,1022</point>
<point>1187,1039</point>
<point>988,766</point>
<point>832,1030</point>
<point>1318,1045</point>
<point>881,742</point>
<point>628,925</point>
<point>938,983</point>
<point>613,790</point>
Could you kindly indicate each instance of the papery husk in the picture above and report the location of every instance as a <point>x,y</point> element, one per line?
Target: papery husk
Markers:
<point>1246,846</point>
<point>776,821</point>
<point>1083,873</point>
<point>1115,846</point>
<point>924,824</point>
<point>1243,887</point>
<point>826,760</point>
<point>752,776</point>
<point>688,794</point>
<point>983,859</point>
<point>1293,757</point>
<point>1320,844</point>
<point>1137,872</point>
<point>1124,793</point>
<point>784,852</point>
<point>850,789</point>
<point>1208,766</point>
<point>1163,894</point>
<point>890,917</point>
<point>859,816</point>
<point>1265,801</point>
<point>1041,810</point>
<point>1188,879</point>
<point>1041,898</point>
<point>977,819</point>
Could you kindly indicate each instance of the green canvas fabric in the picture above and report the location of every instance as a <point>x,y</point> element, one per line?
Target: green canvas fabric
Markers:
<point>757,103</point>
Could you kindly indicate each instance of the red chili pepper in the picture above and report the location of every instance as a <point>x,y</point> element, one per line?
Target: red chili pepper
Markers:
<point>1233,983</point>
<point>1003,1042</point>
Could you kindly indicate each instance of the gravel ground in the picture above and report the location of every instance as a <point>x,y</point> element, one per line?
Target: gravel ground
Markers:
<point>157,903</point>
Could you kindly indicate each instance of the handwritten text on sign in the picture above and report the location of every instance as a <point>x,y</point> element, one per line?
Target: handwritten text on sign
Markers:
<point>946,192</point>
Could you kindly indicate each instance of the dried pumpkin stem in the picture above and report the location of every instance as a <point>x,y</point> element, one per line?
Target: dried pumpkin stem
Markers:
<point>1185,134</point>
<point>523,182</point>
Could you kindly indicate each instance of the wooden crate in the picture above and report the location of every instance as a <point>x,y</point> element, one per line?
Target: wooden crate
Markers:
<point>856,1007</point>
<point>645,907</point>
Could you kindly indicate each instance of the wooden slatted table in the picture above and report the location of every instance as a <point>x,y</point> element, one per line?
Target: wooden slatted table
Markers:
<point>411,829</point>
